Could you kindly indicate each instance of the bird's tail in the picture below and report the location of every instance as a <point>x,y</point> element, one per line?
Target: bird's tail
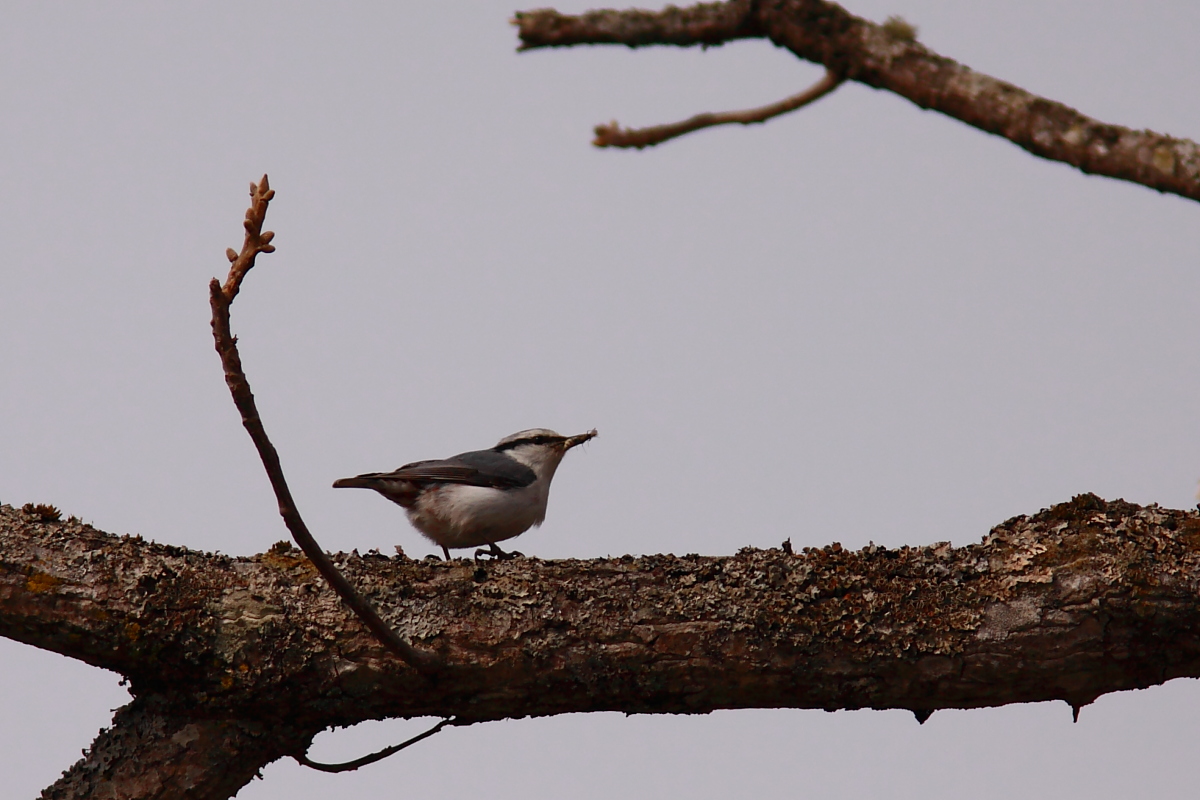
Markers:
<point>357,482</point>
<point>403,492</point>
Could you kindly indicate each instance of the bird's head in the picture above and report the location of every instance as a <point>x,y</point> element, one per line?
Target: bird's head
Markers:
<point>540,449</point>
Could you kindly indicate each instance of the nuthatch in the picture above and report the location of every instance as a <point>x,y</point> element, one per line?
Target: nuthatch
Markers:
<point>477,498</point>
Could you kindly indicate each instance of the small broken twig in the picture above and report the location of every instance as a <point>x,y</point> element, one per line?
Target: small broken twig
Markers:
<point>348,766</point>
<point>221,298</point>
<point>613,135</point>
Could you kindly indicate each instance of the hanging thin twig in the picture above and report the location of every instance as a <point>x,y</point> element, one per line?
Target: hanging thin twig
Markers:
<point>348,766</point>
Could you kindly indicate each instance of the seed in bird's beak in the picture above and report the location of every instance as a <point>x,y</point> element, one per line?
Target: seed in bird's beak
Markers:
<point>580,439</point>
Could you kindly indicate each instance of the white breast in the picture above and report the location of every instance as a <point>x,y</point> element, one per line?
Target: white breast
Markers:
<point>454,515</point>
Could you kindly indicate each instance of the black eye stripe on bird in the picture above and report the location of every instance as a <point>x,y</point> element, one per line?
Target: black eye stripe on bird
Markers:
<point>477,498</point>
<point>509,442</point>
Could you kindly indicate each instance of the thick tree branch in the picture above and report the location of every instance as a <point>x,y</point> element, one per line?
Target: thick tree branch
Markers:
<point>248,658</point>
<point>154,752</point>
<point>221,297</point>
<point>1085,598</point>
<point>885,57</point>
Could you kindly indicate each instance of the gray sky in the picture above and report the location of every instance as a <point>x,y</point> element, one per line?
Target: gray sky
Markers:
<point>861,322</point>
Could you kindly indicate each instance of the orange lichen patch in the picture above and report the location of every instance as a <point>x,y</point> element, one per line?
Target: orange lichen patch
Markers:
<point>132,631</point>
<point>285,556</point>
<point>226,681</point>
<point>39,582</point>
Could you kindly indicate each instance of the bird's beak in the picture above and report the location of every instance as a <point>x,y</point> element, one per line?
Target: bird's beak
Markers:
<point>571,441</point>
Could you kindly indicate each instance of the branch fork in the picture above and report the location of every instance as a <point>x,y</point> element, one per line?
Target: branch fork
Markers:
<point>882,56</point>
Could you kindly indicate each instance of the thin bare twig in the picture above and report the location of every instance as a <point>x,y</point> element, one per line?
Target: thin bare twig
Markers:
<point>221,298</point>
<point>348,766</point>
<point>613,135</point>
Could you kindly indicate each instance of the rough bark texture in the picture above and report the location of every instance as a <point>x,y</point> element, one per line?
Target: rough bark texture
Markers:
<point>153,751</point>
<point>1084,598</point>
<point>888,57</point>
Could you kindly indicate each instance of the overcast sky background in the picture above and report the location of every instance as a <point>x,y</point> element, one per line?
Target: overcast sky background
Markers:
<point>860,322</point>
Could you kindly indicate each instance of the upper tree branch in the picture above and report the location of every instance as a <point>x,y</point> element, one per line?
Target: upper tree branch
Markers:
<point>703,24</point>
<point>825,33</point>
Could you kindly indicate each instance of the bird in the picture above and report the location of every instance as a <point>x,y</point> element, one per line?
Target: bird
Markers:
<point>480,497</point>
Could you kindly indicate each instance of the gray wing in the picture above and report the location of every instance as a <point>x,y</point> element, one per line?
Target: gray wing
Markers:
<point>477,468</point>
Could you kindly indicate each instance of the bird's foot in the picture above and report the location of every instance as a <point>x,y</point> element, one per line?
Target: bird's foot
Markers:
<point>496,554</point>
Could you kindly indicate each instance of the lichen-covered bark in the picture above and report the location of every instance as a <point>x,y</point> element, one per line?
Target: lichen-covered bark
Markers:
<point>888,57</point>
<point>153,751</point>
<point>1084,598</point>
<point>703,24</point>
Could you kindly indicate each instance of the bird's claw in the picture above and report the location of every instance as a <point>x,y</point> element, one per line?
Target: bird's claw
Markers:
<point>496,554</point>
